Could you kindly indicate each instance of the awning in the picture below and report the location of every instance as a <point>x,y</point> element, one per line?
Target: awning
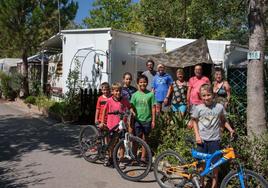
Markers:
<point>189,55</point>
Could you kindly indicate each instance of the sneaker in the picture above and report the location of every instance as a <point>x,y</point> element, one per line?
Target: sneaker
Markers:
<point>122,165</point>
<point>93,150</point>
<point>108,162</point>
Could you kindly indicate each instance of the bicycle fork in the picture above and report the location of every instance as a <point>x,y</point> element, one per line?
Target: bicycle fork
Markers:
<point>241,176</point>
<point>128,152</point>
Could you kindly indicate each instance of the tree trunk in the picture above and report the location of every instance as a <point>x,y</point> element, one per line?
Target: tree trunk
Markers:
<point>256,120</point>
<point>25,84</point>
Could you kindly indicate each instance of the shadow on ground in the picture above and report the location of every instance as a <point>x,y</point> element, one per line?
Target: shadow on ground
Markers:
<point>20,135</point>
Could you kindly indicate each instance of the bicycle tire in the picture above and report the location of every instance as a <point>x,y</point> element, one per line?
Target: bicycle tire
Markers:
<point>248,173</point>
<point>88,139</point>
<point>163,179</point>
<point>135,165</point>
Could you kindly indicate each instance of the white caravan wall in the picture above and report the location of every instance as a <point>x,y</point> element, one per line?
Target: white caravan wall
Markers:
<point>72,42</point>
<point>125,47</point>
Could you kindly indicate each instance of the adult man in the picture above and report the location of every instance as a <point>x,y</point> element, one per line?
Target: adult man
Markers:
<point>194,84</point>
<point>150,73</point>
<point>161,85</point>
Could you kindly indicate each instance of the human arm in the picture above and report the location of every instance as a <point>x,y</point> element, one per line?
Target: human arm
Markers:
<point>188,97</point>
<point>168,95</point>
<point>227,125</point>
<point>153,117</point>
<point>97,116</point>
<point>97,112</point>
<point>228,90</point>
<point>101,124</point>
<point>196,131</point>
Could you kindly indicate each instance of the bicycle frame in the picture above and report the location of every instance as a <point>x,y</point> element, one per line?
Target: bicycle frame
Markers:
<point>227,153</point>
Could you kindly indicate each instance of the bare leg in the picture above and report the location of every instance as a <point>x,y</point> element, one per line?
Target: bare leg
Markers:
<point>143,151</point>
<point>215,178</point>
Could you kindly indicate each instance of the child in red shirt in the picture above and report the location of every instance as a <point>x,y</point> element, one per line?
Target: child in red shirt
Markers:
<point>105,89</point>
<point>115,103</point>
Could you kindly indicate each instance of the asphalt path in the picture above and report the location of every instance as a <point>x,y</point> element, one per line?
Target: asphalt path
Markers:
<point>40,153</point>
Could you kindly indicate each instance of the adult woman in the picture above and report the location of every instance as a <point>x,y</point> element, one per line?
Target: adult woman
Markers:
<point>179,97</point>
<point>221,88</point>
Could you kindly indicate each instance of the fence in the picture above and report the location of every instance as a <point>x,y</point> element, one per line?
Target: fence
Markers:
<point>88,99</point>
<point>237,78</point>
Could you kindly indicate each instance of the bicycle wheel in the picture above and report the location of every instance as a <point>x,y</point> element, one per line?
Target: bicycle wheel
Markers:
<point>127,159</point>
<point>88,142</point>
<point>167,170</point>
<point>251,180</point>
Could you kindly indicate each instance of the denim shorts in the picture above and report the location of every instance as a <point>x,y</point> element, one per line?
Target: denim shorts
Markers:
<point>179,107</point>
<point>142,127</point>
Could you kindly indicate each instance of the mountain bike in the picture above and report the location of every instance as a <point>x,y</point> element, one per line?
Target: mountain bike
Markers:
<point>171,170</point>
<point>129,166</point>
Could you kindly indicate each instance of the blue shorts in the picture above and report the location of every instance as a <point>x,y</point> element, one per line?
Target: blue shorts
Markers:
<point>142,128</point>
<point>209,147</point>
<point>179,108</point>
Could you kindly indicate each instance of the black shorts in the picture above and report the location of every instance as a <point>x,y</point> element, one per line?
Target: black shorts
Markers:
<point>142,127</point>
<point>209,147</point>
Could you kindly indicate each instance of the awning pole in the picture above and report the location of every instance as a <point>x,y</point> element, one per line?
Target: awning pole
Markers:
<point>42,71</point>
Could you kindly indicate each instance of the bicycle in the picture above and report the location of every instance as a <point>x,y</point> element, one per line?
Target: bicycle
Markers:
<point>130,167</point>
<point>171,170</point>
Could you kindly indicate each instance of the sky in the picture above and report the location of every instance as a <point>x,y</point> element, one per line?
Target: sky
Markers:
<point>83,10</point>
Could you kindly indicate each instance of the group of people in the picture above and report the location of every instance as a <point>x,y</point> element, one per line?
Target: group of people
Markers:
<point>156,92</point>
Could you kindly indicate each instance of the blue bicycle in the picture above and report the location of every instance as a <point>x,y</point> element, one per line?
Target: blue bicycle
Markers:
<point>171,170</point>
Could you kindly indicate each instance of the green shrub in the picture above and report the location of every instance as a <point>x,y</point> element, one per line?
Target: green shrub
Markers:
<point>170,133</point>
<point>44,102</point>
<point>5,85</point>
<point>58,108</point>
<point>30,100</point>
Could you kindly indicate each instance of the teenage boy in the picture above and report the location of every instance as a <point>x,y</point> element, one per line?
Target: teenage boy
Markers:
<point>143,102</point>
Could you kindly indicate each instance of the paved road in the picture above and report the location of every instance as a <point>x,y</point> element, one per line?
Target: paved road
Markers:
<point>38,153</point>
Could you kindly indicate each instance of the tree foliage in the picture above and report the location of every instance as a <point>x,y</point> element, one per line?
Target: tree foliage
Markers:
<point>110,13</point>
<point>214,19</point>
<point>25,24</point>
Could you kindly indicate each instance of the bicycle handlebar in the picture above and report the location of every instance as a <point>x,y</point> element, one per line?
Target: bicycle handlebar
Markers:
<point>126,113</point>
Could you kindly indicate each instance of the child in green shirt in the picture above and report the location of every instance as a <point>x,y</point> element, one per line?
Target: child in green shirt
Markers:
<point>143,103</point>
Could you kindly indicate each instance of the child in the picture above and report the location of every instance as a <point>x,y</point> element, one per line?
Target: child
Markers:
<point>127,89</point>
<point>114,103</point>
<point>105,89</point>
<point>143,102</point>
<point>179,88</point>
<point>207,119</point>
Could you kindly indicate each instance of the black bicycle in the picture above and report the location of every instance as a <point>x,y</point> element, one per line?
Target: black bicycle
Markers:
<point>126,153</point>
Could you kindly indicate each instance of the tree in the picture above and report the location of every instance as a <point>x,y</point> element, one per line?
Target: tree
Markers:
<point>256,120</point>
<point>25,24</point>
<point>214,19</point>
<point>107,13</point>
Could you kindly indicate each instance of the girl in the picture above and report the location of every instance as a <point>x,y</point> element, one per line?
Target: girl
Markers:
<point>127,89</point>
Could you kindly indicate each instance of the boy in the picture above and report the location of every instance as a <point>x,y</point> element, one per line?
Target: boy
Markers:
<point>105,90</point>
<point>207,118</point>
<point>143,102</point>
<point>114,103</point>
